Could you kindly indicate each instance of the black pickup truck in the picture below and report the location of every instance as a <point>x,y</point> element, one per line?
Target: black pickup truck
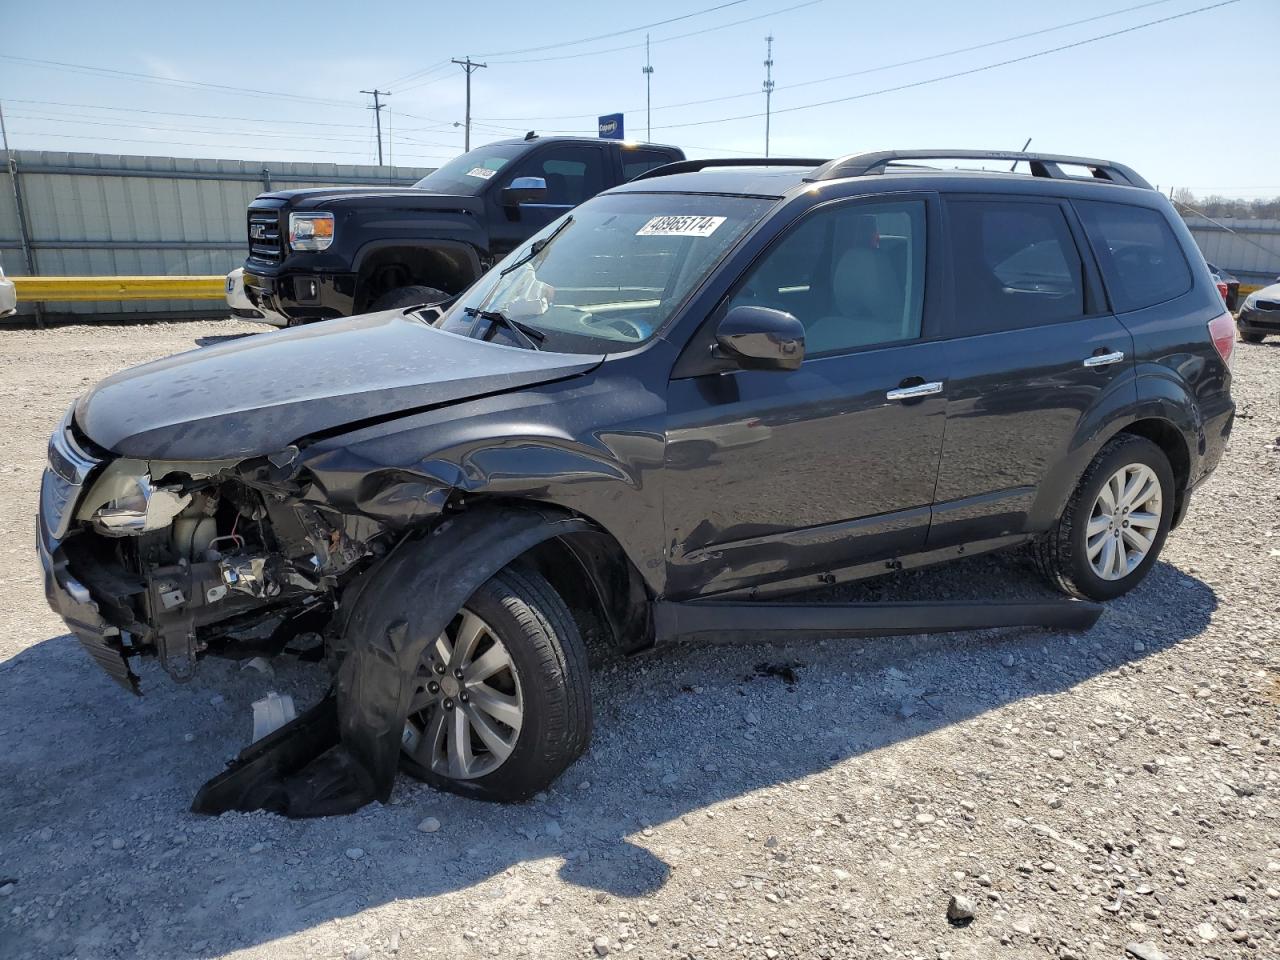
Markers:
<point>338,251</point>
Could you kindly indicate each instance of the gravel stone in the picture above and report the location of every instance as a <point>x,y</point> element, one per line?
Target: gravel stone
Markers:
<point>355,853</point>
<point>429,825</point>
<point>961,908</point>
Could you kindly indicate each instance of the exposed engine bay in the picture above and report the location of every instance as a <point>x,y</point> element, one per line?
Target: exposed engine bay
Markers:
<point>189,560</point>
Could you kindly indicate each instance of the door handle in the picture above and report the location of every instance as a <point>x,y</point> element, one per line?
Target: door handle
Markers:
<point>911,393</point>
<point>1105,359</point>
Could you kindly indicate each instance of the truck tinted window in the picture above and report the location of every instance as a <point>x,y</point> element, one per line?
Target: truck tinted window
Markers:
<point>636,162</point>
<point>1016,265</point>
<point>853,274</point>
<point>1141,260</point>
<point>573,173</point>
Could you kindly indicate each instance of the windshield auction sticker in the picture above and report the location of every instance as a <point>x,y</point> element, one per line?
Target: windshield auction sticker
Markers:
<point>676,226</point>
<point>484,173</point>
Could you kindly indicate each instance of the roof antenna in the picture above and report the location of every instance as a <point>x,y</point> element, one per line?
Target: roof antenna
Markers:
<point>1013,166</point>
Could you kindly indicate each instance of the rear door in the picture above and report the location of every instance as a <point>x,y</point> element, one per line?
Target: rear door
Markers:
<point>1033,349</point>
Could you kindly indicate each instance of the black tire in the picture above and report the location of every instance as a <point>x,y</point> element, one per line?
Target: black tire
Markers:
<point>412,296</point>
<point>1250,337</point>
<point>1061,552</point>
<point>550,660</point>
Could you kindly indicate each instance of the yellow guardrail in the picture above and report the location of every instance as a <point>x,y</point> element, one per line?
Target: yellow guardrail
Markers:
<point>87,289</point>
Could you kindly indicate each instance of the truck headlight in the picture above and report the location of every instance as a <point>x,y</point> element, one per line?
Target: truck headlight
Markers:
<point>1251,301</point>
<point>310,231</point>
<point>141,510</point>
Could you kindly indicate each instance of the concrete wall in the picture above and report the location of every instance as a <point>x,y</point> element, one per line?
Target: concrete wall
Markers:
<point>94,214</point>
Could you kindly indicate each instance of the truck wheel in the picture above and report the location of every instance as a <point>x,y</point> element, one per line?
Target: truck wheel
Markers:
<point>1115,523</point>
<point>413,296</point>
<point>502,701</point>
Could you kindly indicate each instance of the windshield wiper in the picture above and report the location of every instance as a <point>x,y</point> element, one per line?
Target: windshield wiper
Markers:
<point>531,337</point>
<point>537,248</point>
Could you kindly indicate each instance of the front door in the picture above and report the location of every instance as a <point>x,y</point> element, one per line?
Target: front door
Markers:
<point>775,476</point>
<point>574,172</point>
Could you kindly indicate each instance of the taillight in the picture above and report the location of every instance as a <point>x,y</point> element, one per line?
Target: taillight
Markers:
<point>1222,329</point>
<point>1222,289</point>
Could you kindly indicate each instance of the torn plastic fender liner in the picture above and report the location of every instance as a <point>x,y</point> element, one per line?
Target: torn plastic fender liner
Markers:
<point>409,603</point>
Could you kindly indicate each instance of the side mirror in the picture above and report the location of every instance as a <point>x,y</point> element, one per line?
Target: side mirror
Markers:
<point>524,190</point>
<point>759,338</point>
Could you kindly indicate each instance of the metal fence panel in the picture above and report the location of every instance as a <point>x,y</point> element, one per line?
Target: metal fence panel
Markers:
<point>1250,249</point>
<point>92,214</point>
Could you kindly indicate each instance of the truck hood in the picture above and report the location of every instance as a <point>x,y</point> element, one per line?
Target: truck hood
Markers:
<point>258,394</point>
<point>325,198</point>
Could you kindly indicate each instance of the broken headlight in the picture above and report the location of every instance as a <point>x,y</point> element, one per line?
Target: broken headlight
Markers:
<point>140,510</point>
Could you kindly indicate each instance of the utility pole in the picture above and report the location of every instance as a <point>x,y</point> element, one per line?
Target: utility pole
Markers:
<point>377,114</point>
<point>470,67</point>
<point>648,77</point>
<point>768,90</point>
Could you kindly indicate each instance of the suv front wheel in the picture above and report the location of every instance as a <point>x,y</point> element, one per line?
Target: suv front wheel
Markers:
<point>1115,523</point>
<point>502,699</point>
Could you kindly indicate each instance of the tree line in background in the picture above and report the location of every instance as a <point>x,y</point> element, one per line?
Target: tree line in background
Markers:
<point>1218,207</point>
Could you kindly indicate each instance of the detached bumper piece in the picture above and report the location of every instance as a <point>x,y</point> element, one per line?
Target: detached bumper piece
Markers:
<point>298,771</point>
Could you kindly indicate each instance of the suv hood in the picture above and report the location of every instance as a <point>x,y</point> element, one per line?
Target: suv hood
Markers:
<point>258,394</point>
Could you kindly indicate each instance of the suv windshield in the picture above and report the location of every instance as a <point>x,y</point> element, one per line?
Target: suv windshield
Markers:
<point>612,272</point>
<point>467,175</point>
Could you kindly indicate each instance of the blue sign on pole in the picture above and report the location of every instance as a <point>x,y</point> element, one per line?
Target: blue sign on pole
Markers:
<point>611,127</point>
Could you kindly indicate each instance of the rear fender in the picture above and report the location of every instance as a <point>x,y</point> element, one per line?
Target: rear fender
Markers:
<point>1160,396</point>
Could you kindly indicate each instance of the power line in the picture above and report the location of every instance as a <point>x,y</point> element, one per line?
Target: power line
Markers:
<point>867,70</point>
<point>678,36</point>
<point>439,65</point>
<point>183,113</point>
<point>171,81</point>
<point>958,73</point>
<point>616,33</point>
<point>236,146</point>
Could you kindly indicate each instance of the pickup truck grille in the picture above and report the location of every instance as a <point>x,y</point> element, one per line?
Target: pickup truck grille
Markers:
<point>265,242</point>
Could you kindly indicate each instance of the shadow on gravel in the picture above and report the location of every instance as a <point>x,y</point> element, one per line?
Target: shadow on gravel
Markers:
<point>96,784</point>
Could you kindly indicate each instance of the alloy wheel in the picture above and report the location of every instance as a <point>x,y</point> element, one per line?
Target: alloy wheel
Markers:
<point>467,708</point>
<point>1124,521</point>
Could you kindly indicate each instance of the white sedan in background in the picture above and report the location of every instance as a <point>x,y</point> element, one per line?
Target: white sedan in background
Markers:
<point>8,296</point>
<point>242,307</point>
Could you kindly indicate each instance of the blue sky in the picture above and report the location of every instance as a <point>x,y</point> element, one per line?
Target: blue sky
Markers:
<point>1175,100</point>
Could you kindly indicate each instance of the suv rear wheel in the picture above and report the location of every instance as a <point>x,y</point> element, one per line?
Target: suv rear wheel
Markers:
<point>1115,523</point>
<point>1250,337</point>
<point>502,701</point>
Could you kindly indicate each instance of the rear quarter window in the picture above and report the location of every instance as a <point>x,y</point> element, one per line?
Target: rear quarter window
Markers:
<point>1142,262</point>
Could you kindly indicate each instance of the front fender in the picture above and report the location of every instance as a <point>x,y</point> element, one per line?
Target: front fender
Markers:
<point>404,603</point>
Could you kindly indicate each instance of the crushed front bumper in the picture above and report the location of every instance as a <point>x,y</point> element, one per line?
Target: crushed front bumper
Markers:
<point>71,600</point>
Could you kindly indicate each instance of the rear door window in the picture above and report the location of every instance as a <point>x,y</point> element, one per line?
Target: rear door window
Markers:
<point>1141,259</point>
<point>1016,265</point>
<point>636,162</point>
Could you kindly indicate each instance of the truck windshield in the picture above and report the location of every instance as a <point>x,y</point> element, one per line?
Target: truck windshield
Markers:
<point>467,175</point>
<point>613,272</point>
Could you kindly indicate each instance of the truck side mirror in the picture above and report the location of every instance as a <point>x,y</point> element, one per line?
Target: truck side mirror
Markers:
<point>524,190</point>
<point>760,338</point>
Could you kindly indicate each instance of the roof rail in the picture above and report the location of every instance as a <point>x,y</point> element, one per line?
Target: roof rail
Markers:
<point>693,166</point>
<point>1042,164</point>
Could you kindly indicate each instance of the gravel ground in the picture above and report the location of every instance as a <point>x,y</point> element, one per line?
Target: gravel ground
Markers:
<point>1080,795</point>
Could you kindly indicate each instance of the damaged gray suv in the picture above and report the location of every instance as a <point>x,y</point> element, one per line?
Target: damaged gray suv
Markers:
<point>697,394</point>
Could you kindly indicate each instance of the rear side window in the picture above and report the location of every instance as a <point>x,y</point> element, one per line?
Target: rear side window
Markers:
<point>1016,265</point>
<point>1141,260</point>
<point>636,162</point>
